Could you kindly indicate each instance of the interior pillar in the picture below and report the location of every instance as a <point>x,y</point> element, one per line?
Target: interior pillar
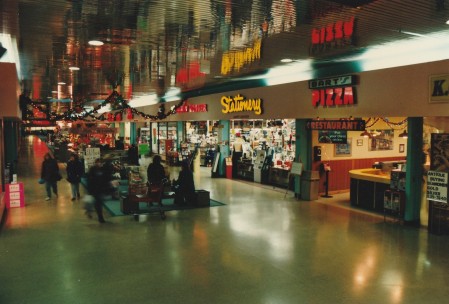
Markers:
<point>414,170</point>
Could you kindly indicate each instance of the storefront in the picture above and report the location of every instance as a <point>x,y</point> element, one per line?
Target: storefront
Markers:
<point>396,99</point>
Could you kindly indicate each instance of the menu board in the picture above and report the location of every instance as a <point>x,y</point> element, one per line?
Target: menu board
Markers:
<point>332,137</point>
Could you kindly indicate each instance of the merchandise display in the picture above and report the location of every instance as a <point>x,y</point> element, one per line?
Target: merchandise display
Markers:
<point>276,138</point>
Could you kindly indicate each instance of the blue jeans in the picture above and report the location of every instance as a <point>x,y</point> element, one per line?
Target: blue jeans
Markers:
<point>51,185</point>
<point>75,189</point>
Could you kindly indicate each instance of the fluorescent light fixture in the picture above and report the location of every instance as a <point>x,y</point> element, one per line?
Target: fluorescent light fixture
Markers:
<point>61,83</point>
<point>286,60</point>
<point>95,42</point>
<point>74,68</point>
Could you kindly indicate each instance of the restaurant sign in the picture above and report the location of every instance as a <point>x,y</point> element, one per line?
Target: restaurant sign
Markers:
<point>239,103</point>
<point>334,91</point>
<point>343,125</point>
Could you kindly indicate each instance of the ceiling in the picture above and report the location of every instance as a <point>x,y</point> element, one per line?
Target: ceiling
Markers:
<point>171,49</point>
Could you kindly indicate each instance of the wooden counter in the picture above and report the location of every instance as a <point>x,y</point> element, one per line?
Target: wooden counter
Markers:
<point>368,187</point>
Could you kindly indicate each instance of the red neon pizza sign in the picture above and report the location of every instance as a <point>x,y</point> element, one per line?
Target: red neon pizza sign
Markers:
<point>332,97</point>
<point>340,30</point>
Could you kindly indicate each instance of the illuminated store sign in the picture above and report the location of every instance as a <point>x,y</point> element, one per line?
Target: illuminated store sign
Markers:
<point>335,91</point>
<point>334,34</point>
<point>343,125</point>
<point>439,88</point>
<point>333,97</point>
<point>234,60</point>
<point>332,82</point>
<point>240,104</point>
<point>192,108</point>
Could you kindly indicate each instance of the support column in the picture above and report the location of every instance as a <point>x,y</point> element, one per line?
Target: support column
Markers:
<point>180,135</point>
<point>223,140</point>
<point>303,150</point>
<point>133,133</point>
<point>414,169</point>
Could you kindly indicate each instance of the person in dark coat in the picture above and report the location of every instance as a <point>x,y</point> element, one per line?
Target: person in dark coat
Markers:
<point>155,172</point>
<point>50,174</point>
<point>133,155</point>
<point>98,185</point>
<point>185,186</point>
<point>75,171</point>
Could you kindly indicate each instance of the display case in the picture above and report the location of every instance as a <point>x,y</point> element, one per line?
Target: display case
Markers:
<point>245,170</point>
<point>279,176</point>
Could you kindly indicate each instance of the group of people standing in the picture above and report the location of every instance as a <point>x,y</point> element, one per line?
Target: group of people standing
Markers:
<point>99,180</point>
<point>184,186</point>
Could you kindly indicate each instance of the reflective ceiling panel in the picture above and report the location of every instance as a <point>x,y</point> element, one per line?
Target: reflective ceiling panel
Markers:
<point>150,46</point>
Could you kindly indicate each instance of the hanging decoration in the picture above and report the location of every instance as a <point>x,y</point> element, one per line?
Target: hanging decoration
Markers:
<point>394,125</point>
<point>119,109</point>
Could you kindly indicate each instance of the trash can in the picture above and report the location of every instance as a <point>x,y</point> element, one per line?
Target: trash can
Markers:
<point>310,181</point>
<point>228,161</point>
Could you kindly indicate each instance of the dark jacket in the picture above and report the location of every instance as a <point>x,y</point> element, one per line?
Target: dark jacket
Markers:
<point>155,174</point>
<point>185,182</point>
<point>74,171</point>
<point>50,170</point>
<point>98,181</point>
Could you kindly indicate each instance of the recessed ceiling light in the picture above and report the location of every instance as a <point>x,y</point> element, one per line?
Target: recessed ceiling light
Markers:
<point>286,60</point>
<point>61,83</point>
<point>74,68</point>
<point>447,22</point>
<point>96,42</point>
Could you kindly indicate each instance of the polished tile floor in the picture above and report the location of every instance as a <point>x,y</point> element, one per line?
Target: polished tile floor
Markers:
<point>260,248</point>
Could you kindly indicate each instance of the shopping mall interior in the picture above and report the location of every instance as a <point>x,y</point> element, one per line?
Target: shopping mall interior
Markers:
<point>315,132</point>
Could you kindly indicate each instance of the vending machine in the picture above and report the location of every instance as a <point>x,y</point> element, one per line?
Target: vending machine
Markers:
<point>258,165</point>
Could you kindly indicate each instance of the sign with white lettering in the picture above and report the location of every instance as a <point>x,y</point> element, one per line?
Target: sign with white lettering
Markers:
<point>347,125</point>
<point>332,82</point>
<point>439,88</point>
<point>437,186</point>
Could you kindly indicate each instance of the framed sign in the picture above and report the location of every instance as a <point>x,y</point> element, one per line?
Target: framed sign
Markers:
<point>296,169</point>
<point>332,137</point>
<point>343,149</point>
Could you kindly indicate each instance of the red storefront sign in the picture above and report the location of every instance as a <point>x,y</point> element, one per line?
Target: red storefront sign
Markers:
<point>333,32</point>
<point>333,97</point>
<point>192,108</point>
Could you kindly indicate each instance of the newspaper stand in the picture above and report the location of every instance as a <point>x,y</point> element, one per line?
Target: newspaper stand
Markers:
<point>394,203</point>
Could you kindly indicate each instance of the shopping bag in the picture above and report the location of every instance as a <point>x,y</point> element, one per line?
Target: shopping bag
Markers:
<point>89,202</point>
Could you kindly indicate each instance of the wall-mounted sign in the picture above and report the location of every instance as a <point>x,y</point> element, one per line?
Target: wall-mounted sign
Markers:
<point>240,104</point>
<point>333,97</point>
<point>332,137</point>
<point>346,125</point>
<point>192,108</point>
<point>234,60</point>
<point>439,88</point>
<point>341,81</point>
<point>437,183</point>
<point>335,34</point>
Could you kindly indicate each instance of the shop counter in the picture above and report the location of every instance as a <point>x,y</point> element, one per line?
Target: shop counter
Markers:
<point>368,187</point>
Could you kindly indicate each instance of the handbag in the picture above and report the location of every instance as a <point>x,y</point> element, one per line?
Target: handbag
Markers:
<point>41,181</point>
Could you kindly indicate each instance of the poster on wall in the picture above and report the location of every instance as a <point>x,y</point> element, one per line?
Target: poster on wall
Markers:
<point>381,140</point>
<point>439,152</point>
<point>332,137</point>
<point>437,186</point>
<point>343,149</point>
